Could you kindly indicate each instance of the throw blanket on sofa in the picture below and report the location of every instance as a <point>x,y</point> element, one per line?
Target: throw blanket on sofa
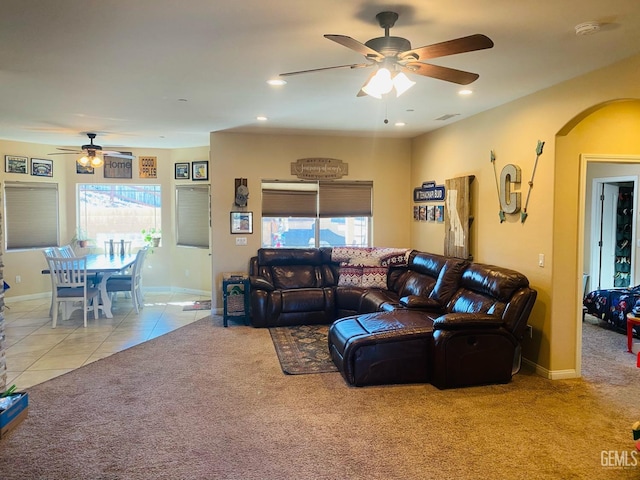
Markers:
<point>367,266</point>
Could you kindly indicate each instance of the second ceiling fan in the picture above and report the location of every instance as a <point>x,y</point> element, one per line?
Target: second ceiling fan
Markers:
<point>395,58</point>
<point>92,153</point>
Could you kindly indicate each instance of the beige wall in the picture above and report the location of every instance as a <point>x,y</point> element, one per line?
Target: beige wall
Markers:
<point>165,268</point>
<point>552,227</point>
<point>266,157</point>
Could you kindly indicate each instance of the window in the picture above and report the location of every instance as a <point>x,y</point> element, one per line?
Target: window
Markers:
<point>118,212</point>
<point>310,214</point>
<point>192,216</point>
<point>31,215</point>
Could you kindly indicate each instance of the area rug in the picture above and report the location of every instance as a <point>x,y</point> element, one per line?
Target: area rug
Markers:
<point>200,305</point>
<point>303,349</point>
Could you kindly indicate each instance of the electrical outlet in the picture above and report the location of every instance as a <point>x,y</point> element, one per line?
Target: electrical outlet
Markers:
<point>18,279</point>
<point>241,241</point>
<point>186,273</point>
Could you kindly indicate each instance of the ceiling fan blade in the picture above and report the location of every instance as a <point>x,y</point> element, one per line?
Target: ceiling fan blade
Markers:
<point>65,153</point>
<point>353,65</point>
<point>355,45</point>
<point>441,73</point>
<point>450,47</point>
<point>72,150</point>
<point>117,154</point>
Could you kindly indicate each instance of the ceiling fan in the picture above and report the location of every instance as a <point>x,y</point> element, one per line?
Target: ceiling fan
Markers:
<point>395,57</point>
<point>92,153</point>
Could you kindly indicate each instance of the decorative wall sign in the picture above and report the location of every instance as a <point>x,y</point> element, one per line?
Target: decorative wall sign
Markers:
<point>41,167</point>
<point>319,168</point>
<point>458,217</point>
<point>509,200</point>
<point>148,167</point>
<point>15,164</point>
<point>116,167</point>
<point>241,192</point>
<point>429,192</point>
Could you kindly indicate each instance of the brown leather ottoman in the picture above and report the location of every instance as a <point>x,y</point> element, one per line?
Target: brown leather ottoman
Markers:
<point>382,347</point>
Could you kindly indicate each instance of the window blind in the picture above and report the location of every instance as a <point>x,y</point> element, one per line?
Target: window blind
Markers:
<point>192,216</point>
<point>31,210</point>
<point>345,199</point>
<point>289,203</point>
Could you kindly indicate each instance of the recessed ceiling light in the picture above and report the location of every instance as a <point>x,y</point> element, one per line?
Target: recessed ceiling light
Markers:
<point>276,82</point>
<point>400,124</point>
<point>465,91</point>
<point>261,118</point>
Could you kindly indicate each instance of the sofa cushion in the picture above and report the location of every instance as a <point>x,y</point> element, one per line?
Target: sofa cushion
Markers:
<point>497,282</point>
<point>294,276</point>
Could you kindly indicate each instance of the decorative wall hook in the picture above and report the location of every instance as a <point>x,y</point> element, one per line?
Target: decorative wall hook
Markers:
<point>241,192</point>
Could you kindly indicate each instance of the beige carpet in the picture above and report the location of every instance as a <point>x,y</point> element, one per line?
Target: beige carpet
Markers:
<point>207,402</point>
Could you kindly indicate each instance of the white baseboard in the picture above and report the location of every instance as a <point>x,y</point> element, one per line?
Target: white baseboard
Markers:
<point>551,374</point>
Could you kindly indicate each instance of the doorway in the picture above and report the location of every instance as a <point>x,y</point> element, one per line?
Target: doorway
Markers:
<point>613,232</point>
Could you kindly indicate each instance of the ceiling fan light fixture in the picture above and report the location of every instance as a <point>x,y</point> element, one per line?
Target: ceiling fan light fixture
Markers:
<point>84,160</point>
<point>402,83</point>
<point>96,161</point>
<point>380,84</point>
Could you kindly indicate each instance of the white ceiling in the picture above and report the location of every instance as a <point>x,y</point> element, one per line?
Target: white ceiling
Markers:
<point>124,68</point>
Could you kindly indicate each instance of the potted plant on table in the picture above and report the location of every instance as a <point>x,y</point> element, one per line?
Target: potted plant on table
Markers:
<point>81,239</point>
<point>151,236</point>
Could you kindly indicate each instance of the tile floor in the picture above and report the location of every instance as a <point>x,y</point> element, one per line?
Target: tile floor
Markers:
<point>36,352</point>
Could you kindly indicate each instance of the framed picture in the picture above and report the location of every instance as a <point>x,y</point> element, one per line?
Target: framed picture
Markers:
<point>182,171</point>
<point>431,213</point>
<point>41,167</point>
<point>14,164</point>
<point>84,169</point>
<point>440,213</point>
<point>241,222</point>
<point>200,170</point>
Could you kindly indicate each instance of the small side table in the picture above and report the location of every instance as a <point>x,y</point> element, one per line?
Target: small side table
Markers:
<point>631,322</point>
<point>235,291</point>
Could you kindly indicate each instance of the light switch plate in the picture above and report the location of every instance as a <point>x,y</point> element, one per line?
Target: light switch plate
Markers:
<point>241,241</point>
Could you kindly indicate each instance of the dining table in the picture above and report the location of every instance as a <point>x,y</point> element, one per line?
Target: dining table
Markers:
<point>103,266</point>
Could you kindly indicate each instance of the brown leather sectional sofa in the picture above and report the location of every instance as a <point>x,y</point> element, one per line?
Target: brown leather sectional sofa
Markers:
<point>440,319</point>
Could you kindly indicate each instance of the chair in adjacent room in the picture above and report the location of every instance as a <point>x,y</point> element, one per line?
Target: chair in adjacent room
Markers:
<point>69,285</point>
<point>130,283</point>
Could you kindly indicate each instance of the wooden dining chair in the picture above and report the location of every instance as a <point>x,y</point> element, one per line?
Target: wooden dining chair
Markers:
<point>130,283</point>
<point>69,285</point>
<point>65,251</point>
<point>117,247</point>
